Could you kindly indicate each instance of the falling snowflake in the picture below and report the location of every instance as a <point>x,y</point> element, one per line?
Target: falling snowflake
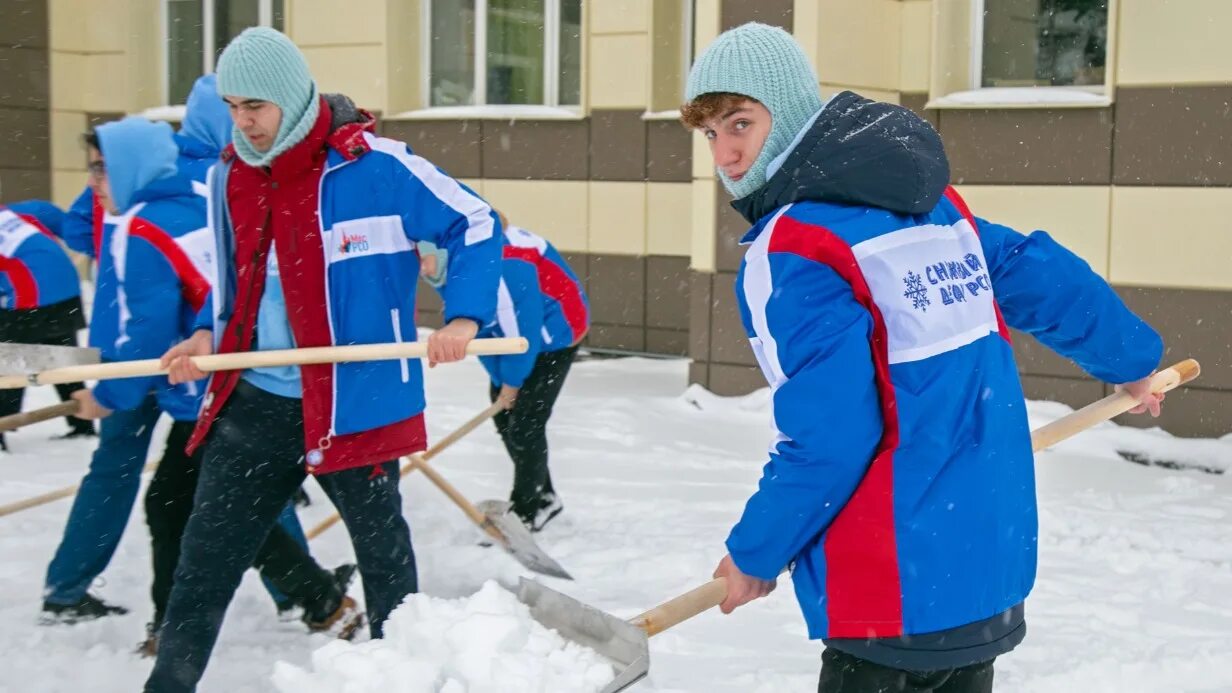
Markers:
<point>916,291</point>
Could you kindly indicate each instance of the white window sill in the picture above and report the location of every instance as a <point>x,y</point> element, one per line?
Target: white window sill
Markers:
<point>172,113</point>
<point>1022,97</point>
<point>492,113</point>
<point>673,114</point>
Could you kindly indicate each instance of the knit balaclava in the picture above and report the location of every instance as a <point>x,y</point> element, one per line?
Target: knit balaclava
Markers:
<point>262,63</point>
<point>765,63</point>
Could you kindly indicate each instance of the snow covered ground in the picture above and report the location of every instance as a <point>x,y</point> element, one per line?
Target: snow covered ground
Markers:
<point>1134,591</point>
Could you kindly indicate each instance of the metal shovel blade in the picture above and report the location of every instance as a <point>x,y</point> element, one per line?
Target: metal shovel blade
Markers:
<point>616,639</point>
<point>515,538</point>
<point>26,359</point>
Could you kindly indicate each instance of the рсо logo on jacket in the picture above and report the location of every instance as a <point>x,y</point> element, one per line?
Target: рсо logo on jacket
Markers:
<point>353,243</point>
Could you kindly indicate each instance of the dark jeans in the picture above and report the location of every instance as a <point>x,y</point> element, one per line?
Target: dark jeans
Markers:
<point>282,560</point>
<point>251,467</point>
<point>843,673</point>
<point>524,429</point>
<point>31,327</point>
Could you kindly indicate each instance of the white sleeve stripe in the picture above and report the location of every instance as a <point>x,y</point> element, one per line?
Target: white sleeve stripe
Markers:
<point>446,189</point>
<point>506,317</point>
<point>758,287</point>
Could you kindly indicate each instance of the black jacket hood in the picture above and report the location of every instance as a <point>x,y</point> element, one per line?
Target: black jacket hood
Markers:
<point>858,152</point>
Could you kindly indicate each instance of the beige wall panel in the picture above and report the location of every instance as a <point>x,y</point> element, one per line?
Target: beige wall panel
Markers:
<point>146,69</point>
<point>66,186</point>
<point>475,184</point>
<point>619,16</point>
<point>828,90</point>
<point>1172,237</point>
<point>402,55</point>
<point>707,17</point>
<point>1077,216</point>
<point>555,210</point>
<point>70,77</point>
<point>324,22</point>
<point>619,71</point>
<point>916,41</point>
<point>806,25</point>
<point>67,24</point>
<point>703,163</point>
<point>617,218</point>
<point>950,67</point>
<point>67,150</point>
<point>110,85</point>
<point>703,217</point>
<point>350,70</point>
<point>669,214</point>
<point>1177,42</point>
<point>858,43</point>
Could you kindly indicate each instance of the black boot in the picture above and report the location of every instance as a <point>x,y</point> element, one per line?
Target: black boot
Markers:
<point>88,608</point>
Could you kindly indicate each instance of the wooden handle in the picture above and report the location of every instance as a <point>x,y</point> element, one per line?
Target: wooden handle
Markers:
<point>1113,405</point>
<point>682,608</point>
<point>26,418</point>
<point>261,359</point>
<point>410,465</point>
<point>418,462</point>
<point>50,496</point>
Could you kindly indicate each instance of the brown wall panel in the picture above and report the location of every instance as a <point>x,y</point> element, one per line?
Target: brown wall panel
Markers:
<point>699,373</point>
<point>728,380</point>
<point>25,138</point>
<point>669,342</point>
<point>618,290</point>
<point>1028,146</point>
<point>1034,358</point>
<point>730,227</point>
<point>25,23</point>
<point>453,145</point>
<point>25,77</point>
<point>1071,391</point>
<point>617,145</point>
<point>540,149</point>
<point>775,12</point>
<point>667,292</point>
<point>914,102</point>
<point>1173,136</point>
<point>580,264</point>
<point>669,152</point>
<point>728,341</point>
<point>701,307</point>
<point>23,184</point>
<point>1191,412</point>
<point>1193,323</point>
<point>619,337</point>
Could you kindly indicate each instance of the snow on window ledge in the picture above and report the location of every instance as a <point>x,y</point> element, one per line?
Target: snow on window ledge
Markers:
<point>1022,97</point>
<point>508,112</point>
<point>673,114</point>
<point>171,113</point>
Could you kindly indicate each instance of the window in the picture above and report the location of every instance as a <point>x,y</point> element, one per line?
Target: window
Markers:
<point>1041,43</point>
<point>198,31</point>
<point>504,52</point>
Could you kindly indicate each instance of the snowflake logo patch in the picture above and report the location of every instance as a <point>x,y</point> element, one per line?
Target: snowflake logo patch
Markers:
<point>916,291</point>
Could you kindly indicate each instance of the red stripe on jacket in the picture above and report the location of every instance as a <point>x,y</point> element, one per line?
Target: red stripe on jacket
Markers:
<point>195,287</point>
<point>556,284</point>
<point>25,289</point>
<point>863,584</point>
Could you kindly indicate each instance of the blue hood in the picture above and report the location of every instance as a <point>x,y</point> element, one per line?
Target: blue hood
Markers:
<point>206,118</point>
<point>137,153</point>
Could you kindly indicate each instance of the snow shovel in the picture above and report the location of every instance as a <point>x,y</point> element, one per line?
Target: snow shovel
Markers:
<point>19,359</point>
<point>12,422</point>
<point>627,644</point>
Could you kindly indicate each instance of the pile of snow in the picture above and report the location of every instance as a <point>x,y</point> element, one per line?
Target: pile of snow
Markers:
<point>486,643</point>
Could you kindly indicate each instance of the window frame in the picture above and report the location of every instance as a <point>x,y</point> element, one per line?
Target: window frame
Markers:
<point>265,17</point>
<point>550,109</point>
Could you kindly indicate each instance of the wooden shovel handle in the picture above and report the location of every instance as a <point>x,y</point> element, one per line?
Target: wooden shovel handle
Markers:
<point>418,462</point>
<point>1113,405</point>
<point>26,418</point>
<point>428,454</point>
<point>45,498</point>
<point>712,593</point>
<point>260,359</point>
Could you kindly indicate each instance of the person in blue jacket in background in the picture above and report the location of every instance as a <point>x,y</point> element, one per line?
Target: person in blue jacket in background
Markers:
<point>40,294</point>
<point>541,299</point>
<point>900,484</point>
<point>154,260</point>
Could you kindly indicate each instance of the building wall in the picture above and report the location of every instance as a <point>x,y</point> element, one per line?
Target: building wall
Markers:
<point>1140,187</point>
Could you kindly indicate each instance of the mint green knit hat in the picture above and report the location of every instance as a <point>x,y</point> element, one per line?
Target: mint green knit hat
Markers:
<point>765,63</point>
<point>262,63</point>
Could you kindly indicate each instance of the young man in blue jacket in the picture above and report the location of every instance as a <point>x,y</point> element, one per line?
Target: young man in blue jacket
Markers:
<point>315,219</point>
<point>900,484</point>
<point>151,283</point>
<point>40,294</point>
<point>541,299</point>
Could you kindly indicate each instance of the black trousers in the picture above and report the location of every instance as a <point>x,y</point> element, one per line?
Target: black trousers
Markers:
<point>251,466</point>
<point>169,504</point>
<point>843,673</point>
<point>524,429</point>
<point>54,325</point>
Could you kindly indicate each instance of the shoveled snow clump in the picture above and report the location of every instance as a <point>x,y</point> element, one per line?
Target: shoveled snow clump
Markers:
<point>485,643</point>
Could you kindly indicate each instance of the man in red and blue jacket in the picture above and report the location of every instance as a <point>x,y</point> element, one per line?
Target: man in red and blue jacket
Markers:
<point>315,219</point>
<point>40,294</point>
<point>541,299</point>
<point>900,484</point>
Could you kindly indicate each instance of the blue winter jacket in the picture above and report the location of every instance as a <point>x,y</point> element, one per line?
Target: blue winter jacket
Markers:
<point>900,483</point>
<point>539,298</point>
<point>34,270</point>
<point>153,265</point>
<point>205,132</point>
